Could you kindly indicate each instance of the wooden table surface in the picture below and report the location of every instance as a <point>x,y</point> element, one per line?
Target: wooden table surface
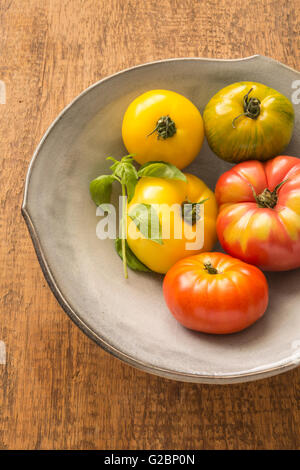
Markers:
<point>59,390</point>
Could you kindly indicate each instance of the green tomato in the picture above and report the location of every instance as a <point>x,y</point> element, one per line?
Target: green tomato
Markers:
<point>248,121</point>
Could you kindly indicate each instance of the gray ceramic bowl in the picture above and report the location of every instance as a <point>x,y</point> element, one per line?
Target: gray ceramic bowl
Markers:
<point>129,318</point>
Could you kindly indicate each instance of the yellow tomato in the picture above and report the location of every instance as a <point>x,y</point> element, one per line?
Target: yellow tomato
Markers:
<point>180,237</point>
<point>162,125</point>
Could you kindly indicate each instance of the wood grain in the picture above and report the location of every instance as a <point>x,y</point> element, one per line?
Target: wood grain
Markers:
<point>58,389</point>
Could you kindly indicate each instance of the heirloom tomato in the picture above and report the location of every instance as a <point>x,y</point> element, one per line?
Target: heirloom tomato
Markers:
<point>248,120</point>
<point>259,213</point>
<point>186,212</point>
<point>164,126</point>
<point>215,293</point>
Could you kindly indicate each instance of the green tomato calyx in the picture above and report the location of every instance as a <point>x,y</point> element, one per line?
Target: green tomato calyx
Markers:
<point>251,107</point>
<point>165,128</point>
<point>190,211</point>
<point>210,269</point>
<point>267,198</point>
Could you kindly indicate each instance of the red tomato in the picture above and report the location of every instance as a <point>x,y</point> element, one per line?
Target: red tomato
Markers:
<point>215,293</point>
<point>259,213</point>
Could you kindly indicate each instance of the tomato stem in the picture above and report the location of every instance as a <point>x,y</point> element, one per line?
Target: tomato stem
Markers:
<point>251,108</point>
<point>267,198</point>
<point>190,211</point>
<point>210,269</point>
<point>165,128</point>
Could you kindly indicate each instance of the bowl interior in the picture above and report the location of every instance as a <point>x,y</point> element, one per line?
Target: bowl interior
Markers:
<point>129,317</point>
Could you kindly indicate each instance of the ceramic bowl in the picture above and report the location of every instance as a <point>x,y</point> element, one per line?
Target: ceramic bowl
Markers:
<point>128,318</point>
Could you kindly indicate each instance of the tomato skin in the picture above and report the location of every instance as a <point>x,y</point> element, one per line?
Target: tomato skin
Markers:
<point>222,303</point>
<point>141,118</point>
<point>246,138</point>
<point>266,237</point>
<point>165,193</point>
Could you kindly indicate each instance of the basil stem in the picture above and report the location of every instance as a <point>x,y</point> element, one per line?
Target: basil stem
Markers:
<point>124,223</point>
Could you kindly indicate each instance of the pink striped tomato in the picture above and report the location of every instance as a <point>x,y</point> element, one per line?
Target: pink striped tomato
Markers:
<point>259,213</point>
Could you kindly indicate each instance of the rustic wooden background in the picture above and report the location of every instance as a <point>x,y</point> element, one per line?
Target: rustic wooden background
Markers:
<point>58,389</point>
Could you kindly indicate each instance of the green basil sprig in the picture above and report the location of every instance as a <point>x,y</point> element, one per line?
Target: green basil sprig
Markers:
<point>101,188</point>
<point>126,173</point>
<point>142,215</point>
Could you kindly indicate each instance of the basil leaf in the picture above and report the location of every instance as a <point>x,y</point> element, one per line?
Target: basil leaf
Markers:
<point>131,182</point>
<point>100,189</point>
<point>122,170</point>
<point>161,170</point>
<point>146,219</point>
<point>132,261</point>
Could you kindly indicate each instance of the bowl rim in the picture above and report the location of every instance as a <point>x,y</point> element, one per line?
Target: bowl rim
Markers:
<point>224,378</point>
